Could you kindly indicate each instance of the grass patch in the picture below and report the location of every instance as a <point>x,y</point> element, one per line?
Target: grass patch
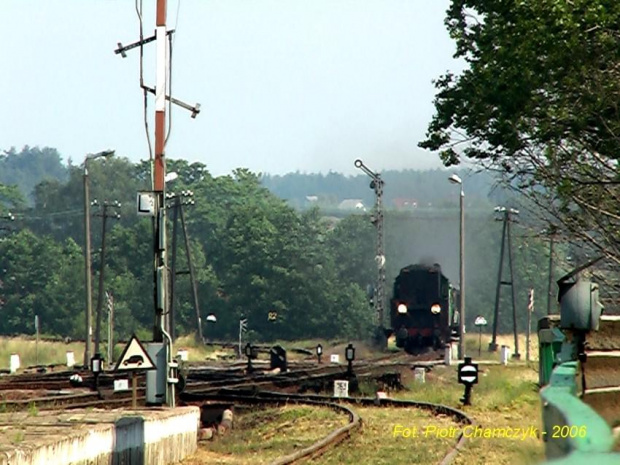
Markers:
<point>393,436</point>
<point>505,396</point>
<point>18,437</point>
<point>33,411</point>
<point>49,353</point>
<point>473,341</point>
<point>260,436</point>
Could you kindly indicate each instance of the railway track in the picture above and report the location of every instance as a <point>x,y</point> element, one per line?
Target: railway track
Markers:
<point>261,398</point>
<point>233,384</point>
<point>54,390</point>
<point>316,378</point>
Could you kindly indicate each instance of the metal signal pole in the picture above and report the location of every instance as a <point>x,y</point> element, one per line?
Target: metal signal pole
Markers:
<point>377,219</point>
<point>156,198</point>
<point>160,329</point>
<point>159,169</point>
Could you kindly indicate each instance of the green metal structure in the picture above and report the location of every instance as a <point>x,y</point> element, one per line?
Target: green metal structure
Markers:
<point>550,340</point>
<point>574,433</point>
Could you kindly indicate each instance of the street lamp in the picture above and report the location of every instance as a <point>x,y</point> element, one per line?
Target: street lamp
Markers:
<point>87,270</point>
<point>455,179</point>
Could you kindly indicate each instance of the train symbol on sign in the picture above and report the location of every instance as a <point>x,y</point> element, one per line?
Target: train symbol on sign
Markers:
<point>468,372</point>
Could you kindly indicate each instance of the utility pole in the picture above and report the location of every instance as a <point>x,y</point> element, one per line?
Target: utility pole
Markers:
<point>87,260</point>
<point>110,302</point>
<point>506,219</point>
<point>377,220</point>
<point>9,217</point>
<point>179,201</point>
<point>105,215</point>
<point>192,277</point>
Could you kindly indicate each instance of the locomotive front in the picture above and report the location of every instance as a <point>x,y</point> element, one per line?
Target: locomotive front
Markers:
<point>421,309</point>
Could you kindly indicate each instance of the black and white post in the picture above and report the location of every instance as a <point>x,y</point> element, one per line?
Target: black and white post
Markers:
<point>467,375</point>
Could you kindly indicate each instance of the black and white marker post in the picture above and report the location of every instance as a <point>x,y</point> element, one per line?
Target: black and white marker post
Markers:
<point>468,375</point>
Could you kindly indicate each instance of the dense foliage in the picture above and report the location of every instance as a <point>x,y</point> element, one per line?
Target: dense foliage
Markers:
<point>252,252</point>
<point>539,103</point>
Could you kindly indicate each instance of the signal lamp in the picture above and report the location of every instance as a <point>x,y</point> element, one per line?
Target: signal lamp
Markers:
<point>349,353</point>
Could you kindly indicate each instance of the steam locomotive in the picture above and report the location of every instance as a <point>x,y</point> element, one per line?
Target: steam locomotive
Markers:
<point>424,310</point>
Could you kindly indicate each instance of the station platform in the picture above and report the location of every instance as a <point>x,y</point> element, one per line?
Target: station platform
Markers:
<point>153,436</point>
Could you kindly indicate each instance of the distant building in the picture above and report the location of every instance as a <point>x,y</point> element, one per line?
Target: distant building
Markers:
<point>351,204</point>
<point>402,203</point>
<point>312,198</point>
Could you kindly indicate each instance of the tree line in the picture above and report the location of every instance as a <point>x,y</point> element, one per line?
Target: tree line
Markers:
<point>254,255</point>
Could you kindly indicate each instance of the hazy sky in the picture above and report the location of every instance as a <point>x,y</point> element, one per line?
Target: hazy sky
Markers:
<point>284,85</point>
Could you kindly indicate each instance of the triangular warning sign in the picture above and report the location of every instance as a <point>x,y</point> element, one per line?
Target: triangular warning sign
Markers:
<point>134,357</point>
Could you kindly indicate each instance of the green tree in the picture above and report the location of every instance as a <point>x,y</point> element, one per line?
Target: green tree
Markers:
<point>25,169</point>
<point>538,102</point>
<point>40,277</point>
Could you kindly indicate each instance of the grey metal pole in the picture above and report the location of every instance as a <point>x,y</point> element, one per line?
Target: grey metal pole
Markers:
<point>87,270</point>
<point>462,277</point>
<point>101,282</point>
<point>550,284</point>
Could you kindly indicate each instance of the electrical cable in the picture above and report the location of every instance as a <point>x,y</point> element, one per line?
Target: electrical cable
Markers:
<point>22,217</point>
<point>138,6</point>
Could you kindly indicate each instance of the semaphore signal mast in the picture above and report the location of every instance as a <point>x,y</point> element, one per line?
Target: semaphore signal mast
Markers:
<point>377,220</point>
<point>156,198</point>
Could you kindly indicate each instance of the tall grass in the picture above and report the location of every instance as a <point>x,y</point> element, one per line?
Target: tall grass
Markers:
<point>45,353</point>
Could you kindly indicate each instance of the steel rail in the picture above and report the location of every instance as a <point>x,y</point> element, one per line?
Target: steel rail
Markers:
<point>337,436</point>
